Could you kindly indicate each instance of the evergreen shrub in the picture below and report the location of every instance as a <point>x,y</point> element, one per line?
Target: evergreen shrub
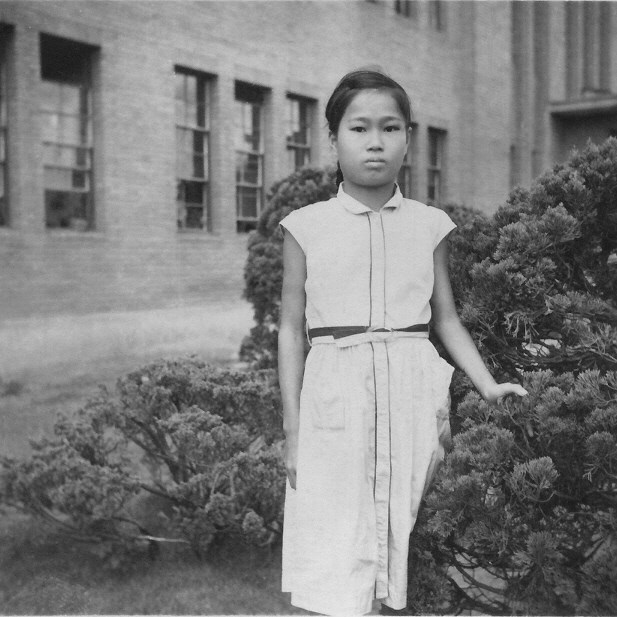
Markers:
<point>522,517</point>
<point>183,452</point>
<point>263,273</point>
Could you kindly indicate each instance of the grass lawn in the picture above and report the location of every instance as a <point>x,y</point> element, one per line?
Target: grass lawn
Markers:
<point>42,572</point>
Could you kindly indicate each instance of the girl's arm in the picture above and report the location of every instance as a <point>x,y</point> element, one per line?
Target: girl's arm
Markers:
<point>455,337</point>
<point>291,347</point>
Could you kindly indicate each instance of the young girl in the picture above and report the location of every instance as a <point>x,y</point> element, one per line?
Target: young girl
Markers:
<point>366,417</point>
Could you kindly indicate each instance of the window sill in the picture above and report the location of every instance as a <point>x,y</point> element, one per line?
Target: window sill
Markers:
<point>196,235</point>
<point>73,234</point>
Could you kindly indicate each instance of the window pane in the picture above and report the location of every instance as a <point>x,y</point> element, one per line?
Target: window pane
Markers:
<point>436,16</point>
<point>66,156</point>
<point>190,100</point>
<point>404,181</point>
<point>248,168</point>
<point>248,204</point>
<point>191,204</point>
<point>63,209</point>
<point>60,179</point>
<point>51,96</point>
<point>183,165</point>
<point>239,125</point>
<point>62,129</point>
<point>82,157</point>
<point>50,127</point>
<point>183,139</point>
<point>71,99</point>
<point>198,142</point>
<point>434,153</point>
<point>194,192</point>
<point>298,129</point>
<point>301,157</point>
<point>433,185</point>
<point>291,160</point>
<point>256,126</point>
<point>194,218</point>
<point>200,104</point>
<point>81,180</point>
<point>303,135</point>
<point>293,117</point>
<point>179,87</point>
<point>198,166</point>
<point>248,126</point>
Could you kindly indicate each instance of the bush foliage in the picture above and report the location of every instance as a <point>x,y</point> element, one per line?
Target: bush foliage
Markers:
<point>263,273</point>
<point>195,444</point>
<point>522,516</point>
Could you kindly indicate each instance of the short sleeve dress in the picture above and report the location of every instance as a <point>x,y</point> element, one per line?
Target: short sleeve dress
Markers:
<point>374,407</point>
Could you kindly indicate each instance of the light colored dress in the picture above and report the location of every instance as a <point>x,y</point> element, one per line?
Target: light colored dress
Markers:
<point>373,408</point>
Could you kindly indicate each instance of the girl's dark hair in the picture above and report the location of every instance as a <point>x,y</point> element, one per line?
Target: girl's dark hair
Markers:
<point>350,86</point>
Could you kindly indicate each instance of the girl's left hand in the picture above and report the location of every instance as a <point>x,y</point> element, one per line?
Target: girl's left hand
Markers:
<point>496,392</point>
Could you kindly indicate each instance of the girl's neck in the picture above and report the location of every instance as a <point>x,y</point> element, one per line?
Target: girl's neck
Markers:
<point>373,197</point>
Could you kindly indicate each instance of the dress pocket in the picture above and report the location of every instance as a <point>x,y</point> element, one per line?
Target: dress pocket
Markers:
<point>324,390</point>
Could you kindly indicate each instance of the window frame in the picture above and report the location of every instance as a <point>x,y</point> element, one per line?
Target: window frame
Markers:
<point>436,169</point>
<point>408,185</point>
<point>5,210</point>
<point>437,15</point>
<point>255,97</point>
<point>296,146</point>
<point>406,8</point>
<point>78,79</point>
<point>203,86</point>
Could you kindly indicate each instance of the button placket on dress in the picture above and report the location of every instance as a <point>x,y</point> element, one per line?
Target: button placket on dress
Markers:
<point>382,401</point>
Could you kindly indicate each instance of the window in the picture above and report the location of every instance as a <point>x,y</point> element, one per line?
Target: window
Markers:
<point>596,46</point>
<point>192,147</point>
<point>436,147</point>
<point>436,14</point>
<point>249,107</point>
<point>407,8</point>
<point>299,116</point>
<point>406,178</point>
<point>66,111</point>
<point>4,203</point>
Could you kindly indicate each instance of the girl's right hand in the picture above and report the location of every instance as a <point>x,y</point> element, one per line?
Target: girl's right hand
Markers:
<point>291,458</point>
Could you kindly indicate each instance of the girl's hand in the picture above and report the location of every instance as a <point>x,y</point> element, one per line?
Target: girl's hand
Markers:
<point>496,392</point>
<point>291,458</point>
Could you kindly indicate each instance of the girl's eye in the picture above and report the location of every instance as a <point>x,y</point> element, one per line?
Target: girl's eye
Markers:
<point>389,129</point>
<point>358,129</point>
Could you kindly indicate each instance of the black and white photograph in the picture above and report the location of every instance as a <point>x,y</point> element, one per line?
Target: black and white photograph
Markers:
<point>308,307</point>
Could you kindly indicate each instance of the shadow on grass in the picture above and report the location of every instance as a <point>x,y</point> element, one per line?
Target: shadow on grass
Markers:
<point>41,572</point>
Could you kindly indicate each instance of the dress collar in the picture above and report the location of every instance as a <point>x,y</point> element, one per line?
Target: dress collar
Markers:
<point>356,207</point>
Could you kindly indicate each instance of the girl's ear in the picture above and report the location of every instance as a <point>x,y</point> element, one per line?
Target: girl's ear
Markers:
<point>332,137</point>
<point>408,135</point>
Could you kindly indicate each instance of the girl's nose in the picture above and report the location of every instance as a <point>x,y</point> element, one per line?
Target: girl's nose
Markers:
<point>375,141</point>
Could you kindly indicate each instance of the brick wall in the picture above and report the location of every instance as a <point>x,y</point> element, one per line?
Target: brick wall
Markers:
<point>460,80</point>
<point>136,258</point>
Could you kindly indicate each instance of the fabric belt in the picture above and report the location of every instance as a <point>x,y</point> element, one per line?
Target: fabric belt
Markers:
<point>338,332</point>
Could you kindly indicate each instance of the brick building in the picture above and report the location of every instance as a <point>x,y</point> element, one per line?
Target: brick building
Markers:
<point>140,137</point>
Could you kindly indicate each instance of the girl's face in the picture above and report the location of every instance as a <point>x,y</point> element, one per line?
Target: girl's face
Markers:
<point>371,140</point>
